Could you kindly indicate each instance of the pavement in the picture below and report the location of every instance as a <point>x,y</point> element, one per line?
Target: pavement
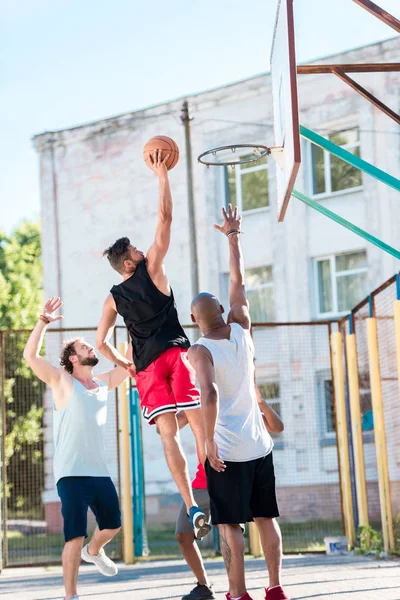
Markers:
<point>305,577</point>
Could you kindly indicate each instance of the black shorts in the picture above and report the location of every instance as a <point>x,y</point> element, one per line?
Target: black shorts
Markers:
<point>244,491</point>
<point>77,494</point>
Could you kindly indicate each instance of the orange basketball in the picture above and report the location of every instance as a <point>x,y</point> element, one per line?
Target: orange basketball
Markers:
<point>167,146</point>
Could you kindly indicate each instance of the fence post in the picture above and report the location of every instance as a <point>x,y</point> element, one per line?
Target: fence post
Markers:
<point>343,447</point>
<point>254,541</point>
<point>380,434</point>
<point>356,424</point>
<point>126,469</point>
<point>397,323</point>
<point>3,469</point>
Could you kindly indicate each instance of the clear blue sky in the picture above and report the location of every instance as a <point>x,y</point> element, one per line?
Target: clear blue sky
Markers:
<point>64,62</point>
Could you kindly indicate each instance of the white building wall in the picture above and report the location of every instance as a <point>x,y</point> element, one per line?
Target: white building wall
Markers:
<point>98,188</point>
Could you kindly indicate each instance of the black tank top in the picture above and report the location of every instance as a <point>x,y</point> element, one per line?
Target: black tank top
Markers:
<point>150,316</point>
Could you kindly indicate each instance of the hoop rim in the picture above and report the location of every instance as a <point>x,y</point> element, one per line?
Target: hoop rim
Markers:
<point>266,152</point>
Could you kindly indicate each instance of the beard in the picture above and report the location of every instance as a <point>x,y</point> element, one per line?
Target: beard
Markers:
<point>89,361</point>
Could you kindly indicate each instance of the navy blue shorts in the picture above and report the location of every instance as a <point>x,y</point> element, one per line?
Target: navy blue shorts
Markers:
<point>80,493</point>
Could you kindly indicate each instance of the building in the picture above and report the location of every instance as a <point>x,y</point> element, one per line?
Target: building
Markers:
<point>95,188</point>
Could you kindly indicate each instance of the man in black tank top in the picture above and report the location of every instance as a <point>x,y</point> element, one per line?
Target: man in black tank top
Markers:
<point>164,377</point>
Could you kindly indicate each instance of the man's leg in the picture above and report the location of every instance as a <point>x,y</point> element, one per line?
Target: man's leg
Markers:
<point>196,425</point>
<point>191,553</point>
<point>271,541</point>
<point>100,539</point>
<point>232,549</point>
<point>71,559</point>
<point>169,432</point>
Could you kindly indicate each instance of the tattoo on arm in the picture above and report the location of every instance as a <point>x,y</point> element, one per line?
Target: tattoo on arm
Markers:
<point>226,553</point>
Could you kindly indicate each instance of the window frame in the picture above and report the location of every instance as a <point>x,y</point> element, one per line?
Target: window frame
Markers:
<point>238,183</point>
<point>334,275</point>
<point>328,193</point>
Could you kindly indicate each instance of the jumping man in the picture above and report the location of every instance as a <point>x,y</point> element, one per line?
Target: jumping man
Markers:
<point>164,377</point>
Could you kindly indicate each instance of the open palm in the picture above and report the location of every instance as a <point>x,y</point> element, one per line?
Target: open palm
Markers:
<point>50,308</point>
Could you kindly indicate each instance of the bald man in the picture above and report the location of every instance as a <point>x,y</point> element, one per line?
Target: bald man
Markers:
<point>239,465</point>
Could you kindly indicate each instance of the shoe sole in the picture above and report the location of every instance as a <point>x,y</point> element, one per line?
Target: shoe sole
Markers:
<point>202,529</point>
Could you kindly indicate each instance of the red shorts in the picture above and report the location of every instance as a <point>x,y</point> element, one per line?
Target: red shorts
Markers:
<point>167,385</point>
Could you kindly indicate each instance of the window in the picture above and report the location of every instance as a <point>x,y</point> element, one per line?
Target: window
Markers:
<point>271,394</point>
<point>341,282</point>
<point>260,294</point>
<point>327,403</point>
<point>247,185</point>
<point>331,174</point>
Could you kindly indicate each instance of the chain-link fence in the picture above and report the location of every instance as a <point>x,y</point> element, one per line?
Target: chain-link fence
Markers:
<point>381,454</point>
<point>31,521</point>
<point>295,377</point>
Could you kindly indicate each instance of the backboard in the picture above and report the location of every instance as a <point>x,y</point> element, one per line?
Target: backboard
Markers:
<point>285,105</point>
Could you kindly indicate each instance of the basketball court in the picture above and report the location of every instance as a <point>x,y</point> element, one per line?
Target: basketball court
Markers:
<point>306,578</point>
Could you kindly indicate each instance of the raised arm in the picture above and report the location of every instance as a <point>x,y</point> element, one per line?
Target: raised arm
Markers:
<point>201,360</point>
<point>45,371</point>
<point>158,250</point>
<point>239,307</point>
<point>116,376</point>
<point>104,333</point>
<point>272,420</point>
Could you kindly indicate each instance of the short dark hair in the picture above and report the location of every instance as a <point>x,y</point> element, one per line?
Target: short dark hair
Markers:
<point>117,253</point>
<point>67,351</point>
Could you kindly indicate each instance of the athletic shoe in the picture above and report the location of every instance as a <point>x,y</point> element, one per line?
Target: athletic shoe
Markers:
<point>200,592</point>
<point>199,522</point>
<point>275,593</point>
<point>104,564</point>
<point>244,597</point>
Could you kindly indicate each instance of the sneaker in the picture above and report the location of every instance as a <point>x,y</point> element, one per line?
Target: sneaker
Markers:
<point>200,592</point>
<point>104,564</point>
<point>244,597</point>
<point>275,593</point>
<point>199,522</point>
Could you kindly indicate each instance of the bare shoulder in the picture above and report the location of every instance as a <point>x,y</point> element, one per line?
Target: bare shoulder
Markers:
<point>110,302</point>
<point>197,353</point>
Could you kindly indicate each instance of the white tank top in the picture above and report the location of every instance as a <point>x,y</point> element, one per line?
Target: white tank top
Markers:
<point>240,432</point>
<point>79,431</point>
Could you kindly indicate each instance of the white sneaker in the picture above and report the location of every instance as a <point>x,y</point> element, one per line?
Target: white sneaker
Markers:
<point>104,564</point>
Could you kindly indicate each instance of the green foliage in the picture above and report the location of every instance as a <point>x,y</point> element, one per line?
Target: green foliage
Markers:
<point>371,541</point>
<point>21,276</point>
<point>21,297</point>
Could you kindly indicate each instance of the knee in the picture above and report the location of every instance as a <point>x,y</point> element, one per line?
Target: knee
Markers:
<point>74,543</point>
<point>185,540</point>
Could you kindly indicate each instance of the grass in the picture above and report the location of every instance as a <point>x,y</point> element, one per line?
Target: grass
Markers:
<point>46,548</point>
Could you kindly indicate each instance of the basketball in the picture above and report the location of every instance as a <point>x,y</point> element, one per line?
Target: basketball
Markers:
<point>167,146</point>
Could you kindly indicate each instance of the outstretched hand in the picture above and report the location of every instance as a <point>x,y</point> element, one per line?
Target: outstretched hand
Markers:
<point>232,220</point>
<point>50,308</point>
<point>157,163</point>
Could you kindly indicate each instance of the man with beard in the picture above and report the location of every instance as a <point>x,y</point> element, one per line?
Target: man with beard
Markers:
<point>80,470</point>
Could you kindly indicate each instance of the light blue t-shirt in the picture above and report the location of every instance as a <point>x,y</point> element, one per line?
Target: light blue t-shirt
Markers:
<point>79,433</point>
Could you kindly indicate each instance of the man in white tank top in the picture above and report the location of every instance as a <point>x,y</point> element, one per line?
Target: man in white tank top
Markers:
<point>239,466</point>
<point>81,474</point>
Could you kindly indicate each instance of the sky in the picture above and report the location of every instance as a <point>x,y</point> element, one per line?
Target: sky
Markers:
<point>66,62</point>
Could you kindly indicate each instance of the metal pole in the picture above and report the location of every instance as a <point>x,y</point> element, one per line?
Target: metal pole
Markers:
<point>347,498</point>
<point>380,434</point>
<point>126,469</point>
<point>4,557</point>
<point>186,117</point>
<point>356,425</point>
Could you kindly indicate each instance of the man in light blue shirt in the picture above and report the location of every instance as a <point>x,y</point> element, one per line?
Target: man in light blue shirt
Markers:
<point>80,470</point>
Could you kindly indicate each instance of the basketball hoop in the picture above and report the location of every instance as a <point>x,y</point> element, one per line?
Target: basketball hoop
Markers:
<point>257,152</point>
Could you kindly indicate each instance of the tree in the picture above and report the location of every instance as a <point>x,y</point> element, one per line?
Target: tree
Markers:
<point>21,297</point>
